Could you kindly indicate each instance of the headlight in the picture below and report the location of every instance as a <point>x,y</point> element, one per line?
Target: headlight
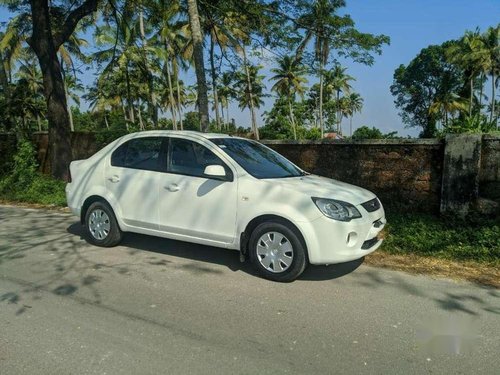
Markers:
<point>337,210</point>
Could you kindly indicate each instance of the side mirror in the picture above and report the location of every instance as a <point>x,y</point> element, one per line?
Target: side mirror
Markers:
<point>215,171</point>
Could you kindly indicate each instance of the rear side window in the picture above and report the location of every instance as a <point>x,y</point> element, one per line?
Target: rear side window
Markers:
<point>139,153</point>
<point>190,158</point>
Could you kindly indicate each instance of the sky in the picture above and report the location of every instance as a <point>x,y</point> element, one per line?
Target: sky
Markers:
<point>411,25</point>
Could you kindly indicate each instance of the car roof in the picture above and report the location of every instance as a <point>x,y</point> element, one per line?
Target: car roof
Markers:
<point>167,133</point>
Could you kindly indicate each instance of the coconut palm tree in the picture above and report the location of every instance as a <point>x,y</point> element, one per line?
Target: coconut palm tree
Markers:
<point>14,41</point>
<point>28,93</point>
<point>337,81</point>
<point>250,91</point>
<point>118,56</point>
<point>491,61</point>
<point>199,62</point>
<point>468,53</point>
<point>317,22</point>
<point>173,47</point>
<point>290,80</point>
<point>226,93</point>
<point>447,104</point>
<point>354,105</point>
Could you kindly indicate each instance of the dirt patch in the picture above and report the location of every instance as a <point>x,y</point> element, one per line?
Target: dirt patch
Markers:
<point>34,205</point>
<point>471,271</point>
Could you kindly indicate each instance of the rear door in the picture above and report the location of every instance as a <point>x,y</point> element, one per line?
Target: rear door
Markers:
<point>192,204</point>
<point>132,176</point>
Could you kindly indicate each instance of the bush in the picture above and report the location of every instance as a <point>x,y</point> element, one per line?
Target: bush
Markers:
<point>26,184</point>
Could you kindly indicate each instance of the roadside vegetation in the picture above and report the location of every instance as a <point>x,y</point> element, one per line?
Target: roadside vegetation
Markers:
<point>471,239</point>
<point>23,183</point>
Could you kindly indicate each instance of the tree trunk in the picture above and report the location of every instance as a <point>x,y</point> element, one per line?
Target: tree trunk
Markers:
<point>250,94</point>
<point>492,113</point>
<point>292,119</point>
<point>63,72</point>
<point>214,83</point>
<point>43,45</point>
<point>222,115</point>
<point>339,114</point>
<point>139,115</point>
<point>106,120</point>
<point>481,78</point>
<point>199,63</point>
<point>166,67</point>
<point>179,107</point>
<point>129,96</point>
<point>152,105</point>
<point>4,82</point>
<point>350,127</point>
<point>471,95</point>
<point>321,83</point>
<point>39,122</point>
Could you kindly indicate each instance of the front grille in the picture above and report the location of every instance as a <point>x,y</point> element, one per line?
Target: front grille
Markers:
<point>368,244</point>
<point>372,205</point>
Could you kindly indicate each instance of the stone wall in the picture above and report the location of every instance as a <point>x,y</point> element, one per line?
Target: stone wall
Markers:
<point>405,174</point>
<point>489,176</point>
<point>83,144</point>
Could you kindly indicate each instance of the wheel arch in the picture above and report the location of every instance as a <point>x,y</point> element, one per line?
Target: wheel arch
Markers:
<point>255,222</point>
<point>88,202</point>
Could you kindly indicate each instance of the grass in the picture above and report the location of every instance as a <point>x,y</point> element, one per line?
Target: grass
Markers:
<point>475,239</point>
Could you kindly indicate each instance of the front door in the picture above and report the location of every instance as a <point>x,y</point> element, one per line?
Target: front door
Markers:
<point>192,204</point>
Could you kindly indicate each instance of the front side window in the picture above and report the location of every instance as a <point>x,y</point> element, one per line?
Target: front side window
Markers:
<point>191,158</point>
<point>256,159</point>
<point>138,153</point>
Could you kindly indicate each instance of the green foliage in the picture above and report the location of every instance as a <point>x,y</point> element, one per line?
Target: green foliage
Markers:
<point>364,132</point>
<point>192,121</point>
<point>26,184</point>
<point>445,86</point>
<point>475,239</point>
<point>417,86</point>
<point>477,123</point>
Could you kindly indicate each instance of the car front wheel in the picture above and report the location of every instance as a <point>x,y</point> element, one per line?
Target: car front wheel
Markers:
<point>101,225</point>
<point>277,252</point>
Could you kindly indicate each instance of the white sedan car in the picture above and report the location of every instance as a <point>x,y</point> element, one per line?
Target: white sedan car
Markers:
<point>224,191</point>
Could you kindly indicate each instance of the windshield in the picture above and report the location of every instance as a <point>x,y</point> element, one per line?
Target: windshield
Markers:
<point>256,159</point>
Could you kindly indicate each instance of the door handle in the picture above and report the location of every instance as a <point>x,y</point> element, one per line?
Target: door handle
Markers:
<point>172,187</point>
<point>114,179</point>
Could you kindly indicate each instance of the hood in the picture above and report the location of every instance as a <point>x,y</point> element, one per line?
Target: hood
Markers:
<point>322,187</point>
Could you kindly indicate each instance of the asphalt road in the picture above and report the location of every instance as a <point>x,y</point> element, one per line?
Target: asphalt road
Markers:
<point>156,306</point>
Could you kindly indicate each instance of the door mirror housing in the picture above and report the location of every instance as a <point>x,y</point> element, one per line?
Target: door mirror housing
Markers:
<point>216,171</point>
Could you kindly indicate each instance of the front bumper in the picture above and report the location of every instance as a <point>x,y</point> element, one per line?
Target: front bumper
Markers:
<point>329,241</point>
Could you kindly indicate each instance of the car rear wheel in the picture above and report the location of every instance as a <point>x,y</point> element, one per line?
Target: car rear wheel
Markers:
<point>101,225</point>
<point>277,252</point>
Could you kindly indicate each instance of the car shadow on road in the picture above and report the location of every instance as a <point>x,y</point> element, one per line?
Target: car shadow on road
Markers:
<point>214,255</point>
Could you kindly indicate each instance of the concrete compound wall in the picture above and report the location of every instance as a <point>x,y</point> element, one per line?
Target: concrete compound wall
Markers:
<point>428,175</point>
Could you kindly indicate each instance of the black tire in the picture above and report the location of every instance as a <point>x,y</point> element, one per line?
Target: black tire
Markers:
<point>299,260</point>
<point>114,236</point>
